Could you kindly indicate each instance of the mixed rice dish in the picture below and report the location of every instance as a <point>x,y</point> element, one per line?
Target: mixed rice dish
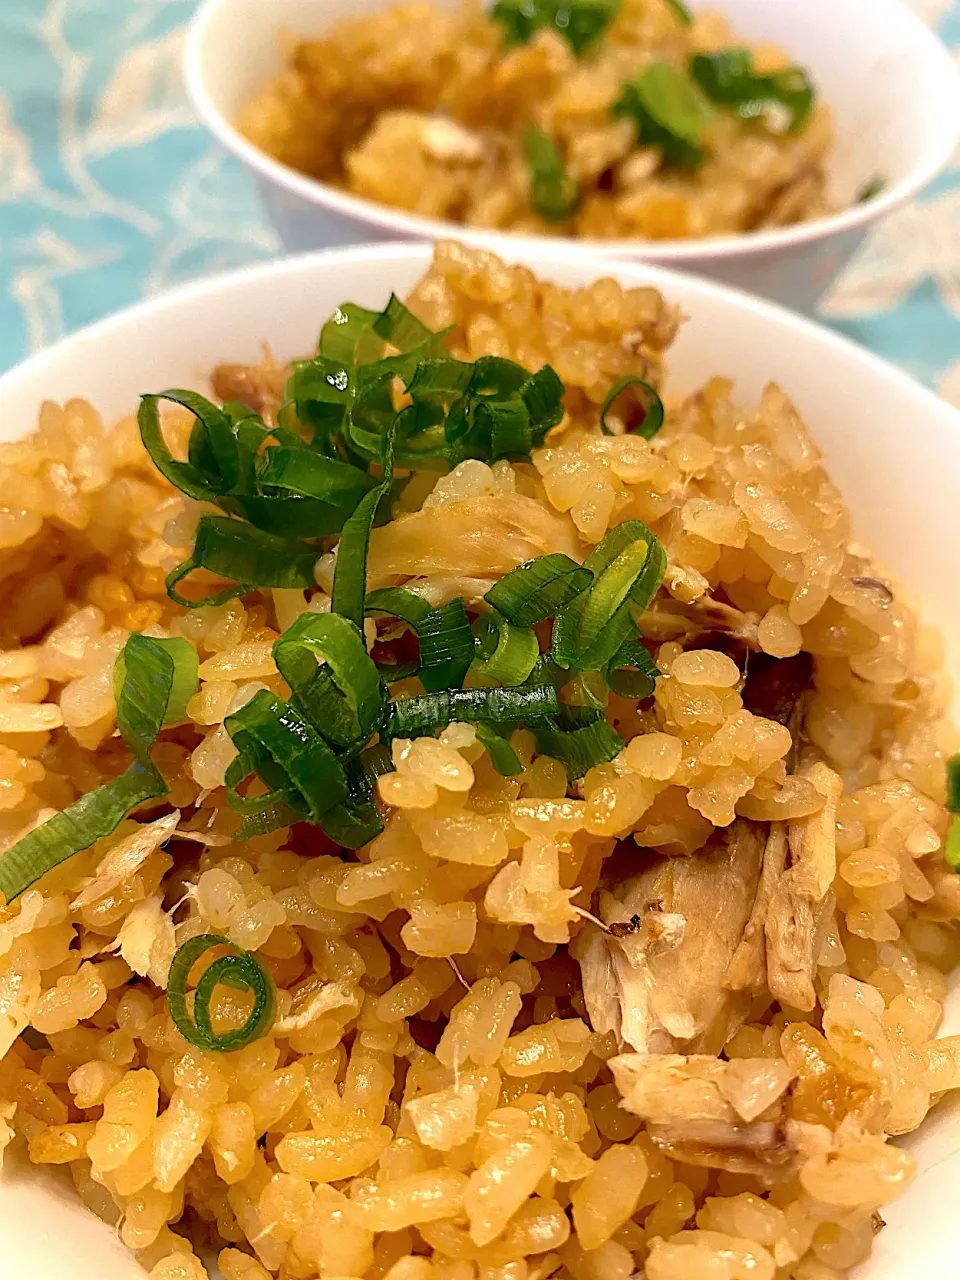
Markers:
<point>593,118</point>
<point>464,819</point>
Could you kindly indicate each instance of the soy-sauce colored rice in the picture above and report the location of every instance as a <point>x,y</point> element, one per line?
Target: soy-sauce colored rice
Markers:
<point>423,108</point>
<point>441,1097</point>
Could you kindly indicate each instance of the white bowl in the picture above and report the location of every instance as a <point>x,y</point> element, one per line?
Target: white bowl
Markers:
<point>893,88</point>
<point>893,448</point>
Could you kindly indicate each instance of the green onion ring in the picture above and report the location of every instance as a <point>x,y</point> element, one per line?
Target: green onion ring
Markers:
<point>653,410</point>
<point>240,970</point>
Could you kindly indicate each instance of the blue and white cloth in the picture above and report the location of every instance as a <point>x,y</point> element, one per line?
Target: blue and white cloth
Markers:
<point>111,191</point>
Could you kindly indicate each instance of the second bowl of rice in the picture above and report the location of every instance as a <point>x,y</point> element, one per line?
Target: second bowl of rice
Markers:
<point>506,121</point>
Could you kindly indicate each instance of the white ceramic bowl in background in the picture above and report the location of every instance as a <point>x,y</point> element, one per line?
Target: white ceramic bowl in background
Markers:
<point>893,448</point>
<point>893,88</point>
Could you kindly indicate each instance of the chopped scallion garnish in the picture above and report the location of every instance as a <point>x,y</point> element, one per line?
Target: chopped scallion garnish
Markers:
<point>670,112</point>
<point>502,756</point>
<point>505,653</point>
<point>334,681</point>
<point>628,567</point>
<point>953,783</point>
<point>446,640</point>
<point>580,738</point>
<point>681,13</point>
<point>631,672</point>
<point>553,190</point>
<point>538,589</point>
<point>414,717</point>
<point>951,849</point>
<point>316,757</point>
<point>580,22</point>
<point>729,78</point>
<point>155,687</point>
<point>238,969</point>
<point>302,756</point>
<point>446,647</point>
<point>282,487</point>
<point>636,404</point>
<point>350,575</point>
<point>246,556</point>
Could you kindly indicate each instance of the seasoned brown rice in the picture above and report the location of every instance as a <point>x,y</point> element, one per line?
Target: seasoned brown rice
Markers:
<point>663,1021</point>
<point>423,108</point>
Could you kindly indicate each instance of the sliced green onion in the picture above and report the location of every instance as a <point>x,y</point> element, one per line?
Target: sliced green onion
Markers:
<point>192,480</point>
<point>506,411</point>
<point>350,574</point>
<point>376,761</point>
<point>628,567</point>
<point>547,671</point>
<point>315,476</point>
<point>155,674</point>
<point>266,476</point>
<point>240,970</point>
<point>246,556</point>
<point>681,13</point>
<point>502,756</point>
<point>355,821</point>
<point>446,647</point>
<point>506,424</point>
<point>728,77</point>
<point>491,409</point>
<point>553,190</point>
<point>414,717</point>
<point>506,654</point>
<point>290,516</point>
<point>401,603</point>
<point>299,752</point>
<point>345,694</point>
<point>322,391</point>
<point>669,111</point>
<point>446,639</point>
<point>951,849</point>
<point>224,451</point>
<point>440,380</point>
<point>542,393</point>
<point>953,784</point>
<point>349,338</point>
<point>270,811</point>
<point>291,491</point>
<point>186,678</point>
<point>519,19</point>
<point>397,325</point>
<point>409,607</point>
<point>538,589</point>
<point>353,825</point>
<point>580,22</point>
<point>647,422</point>
<point>580,738</point>
<point>632,673</point>
<point>76,828</point>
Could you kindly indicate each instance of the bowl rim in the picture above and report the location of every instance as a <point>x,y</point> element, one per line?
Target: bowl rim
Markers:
<point>534,253</point>
<point>377,216</point>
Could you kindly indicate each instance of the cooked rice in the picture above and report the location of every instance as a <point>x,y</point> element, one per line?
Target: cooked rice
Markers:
<point>451,1092</point>
<point>422,108</point>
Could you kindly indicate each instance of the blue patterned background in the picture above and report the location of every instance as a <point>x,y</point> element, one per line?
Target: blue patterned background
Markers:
<point>109,191</point>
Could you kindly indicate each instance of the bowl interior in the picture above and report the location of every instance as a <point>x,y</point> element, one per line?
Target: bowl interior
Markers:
<point>893,449</point>
<point>891,86</point>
